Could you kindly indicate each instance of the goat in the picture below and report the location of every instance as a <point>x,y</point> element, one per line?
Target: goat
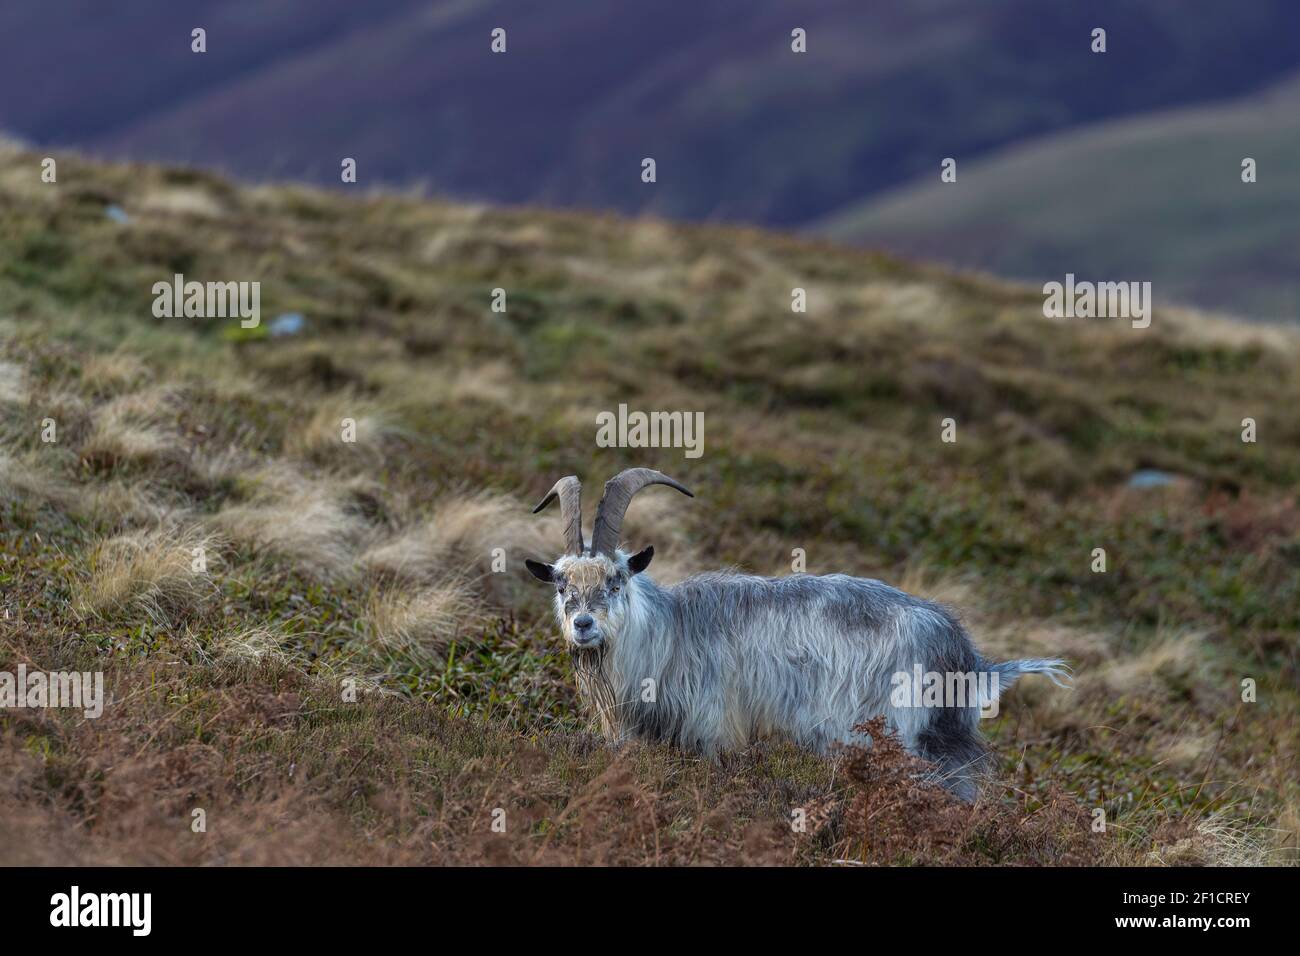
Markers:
<point>723,658</point>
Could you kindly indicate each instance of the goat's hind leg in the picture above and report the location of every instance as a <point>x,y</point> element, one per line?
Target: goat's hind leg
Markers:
<point>952,743</point>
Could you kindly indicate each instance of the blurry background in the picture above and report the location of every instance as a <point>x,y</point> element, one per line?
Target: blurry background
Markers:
<point>1122,166</point>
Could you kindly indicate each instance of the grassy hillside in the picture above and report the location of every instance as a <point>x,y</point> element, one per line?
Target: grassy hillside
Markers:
<point>1156,198</point>
<point>332,565</point>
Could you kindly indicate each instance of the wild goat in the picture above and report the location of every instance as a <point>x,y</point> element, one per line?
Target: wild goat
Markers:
<point>723,658</point>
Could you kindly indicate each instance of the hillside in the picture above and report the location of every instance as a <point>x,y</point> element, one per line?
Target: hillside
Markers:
<point>742,128</point>
<point>1164,190</point>
<point>369,565</point>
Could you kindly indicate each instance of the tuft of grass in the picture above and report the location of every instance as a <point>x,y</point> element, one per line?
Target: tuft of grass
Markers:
<point>340,425</point>
<point>120,437</point>
<point>150,572</point>
<point>467,532</point>
<point>311,522</point>
<point>114,372</point>
<point>417,629</point>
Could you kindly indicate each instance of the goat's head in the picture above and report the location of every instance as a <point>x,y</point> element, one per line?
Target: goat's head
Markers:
<point>592,597</point>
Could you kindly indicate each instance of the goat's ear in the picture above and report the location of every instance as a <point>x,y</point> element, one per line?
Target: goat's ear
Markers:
<point>543,572</point>
<point>641,560</point>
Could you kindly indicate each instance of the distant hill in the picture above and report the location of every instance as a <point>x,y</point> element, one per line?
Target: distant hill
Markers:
<point>1156,198</point>
<point>741,127</point>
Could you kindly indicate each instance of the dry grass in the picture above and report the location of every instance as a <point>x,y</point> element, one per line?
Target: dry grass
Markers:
<point>122,504</point>
<point>465,533</point>
<point>181,201</point>
<point>152,572</point>
<point>311,522</point>
<point>420,627</point>
<point>23,478</point>
<point>13,387</point>
<point>1286,831</point>
<point>1170,660</point>
<point>250,646</point>
<point>1222,841</point>
<point>134,429</point>
<point>113,372</point>
<point>340,425</point>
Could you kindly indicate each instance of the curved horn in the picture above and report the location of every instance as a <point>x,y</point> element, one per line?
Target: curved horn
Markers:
<point>569,490</point>
<point>613,504</point>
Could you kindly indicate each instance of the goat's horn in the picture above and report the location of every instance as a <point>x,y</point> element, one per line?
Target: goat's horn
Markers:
<point>613,504</point>
<point>569,490</point>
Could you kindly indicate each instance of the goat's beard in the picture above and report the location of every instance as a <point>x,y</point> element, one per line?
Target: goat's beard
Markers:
<point>595,686</point>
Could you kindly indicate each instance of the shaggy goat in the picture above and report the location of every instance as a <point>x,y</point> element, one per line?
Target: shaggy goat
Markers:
<point>720,659</point>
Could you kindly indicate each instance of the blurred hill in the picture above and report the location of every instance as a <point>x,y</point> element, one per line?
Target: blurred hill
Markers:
<point>1164,189</point>
<point>374,562</point>
<point>742,129</point>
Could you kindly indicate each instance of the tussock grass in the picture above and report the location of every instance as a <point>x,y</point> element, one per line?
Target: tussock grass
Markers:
<point>23,480</point>
<point>462,536</point>
<point>250,646</point>
<point>113,372</point>
<point>419,627</point>
<point>322,436</point>
<point>150,572</point>
<point>307,521</point>
<point>1224,842</point>
<point>119,437</point>
<point>134,429</point>
<point>122,504</point>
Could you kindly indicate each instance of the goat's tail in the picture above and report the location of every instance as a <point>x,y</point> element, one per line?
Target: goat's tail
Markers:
<point>1057,670</point>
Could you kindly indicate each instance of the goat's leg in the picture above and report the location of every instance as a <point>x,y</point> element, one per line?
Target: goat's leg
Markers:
<point>952,743</point>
